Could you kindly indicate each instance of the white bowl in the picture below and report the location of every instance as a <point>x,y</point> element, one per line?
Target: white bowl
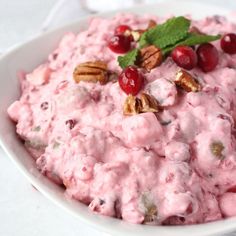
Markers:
<point>34,52</point>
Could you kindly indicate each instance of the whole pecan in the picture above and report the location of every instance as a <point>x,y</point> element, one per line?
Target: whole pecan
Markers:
<point>186,81</point>
<point>95,71</point>
<point>150,57</point>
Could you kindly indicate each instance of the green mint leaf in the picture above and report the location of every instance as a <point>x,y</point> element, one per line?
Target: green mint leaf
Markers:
<point>191,40</point>
<point>195,39</point>
<point>128,59</point>
<point>166,34</point>
<point>143,40</point>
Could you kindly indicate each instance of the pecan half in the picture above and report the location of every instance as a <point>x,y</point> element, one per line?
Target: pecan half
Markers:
<point>149,103</point>
<point>91,72</point>
<point>132,106</point>
<point>146,103</point>
<point>187,82</point>
<point>150,57</point>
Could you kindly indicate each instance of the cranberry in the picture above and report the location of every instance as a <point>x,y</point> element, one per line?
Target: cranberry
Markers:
<point>208,57</point>
<point>130,80</point>
<point>122,29</point>
<point>44,106</point>
<point>232,189</point>
<point>70,124</point>
<point>184,57</point>
<point>228,43</point>
<point>120,43</point>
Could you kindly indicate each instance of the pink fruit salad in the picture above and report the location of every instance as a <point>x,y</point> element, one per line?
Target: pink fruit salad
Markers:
<point>135,117</point>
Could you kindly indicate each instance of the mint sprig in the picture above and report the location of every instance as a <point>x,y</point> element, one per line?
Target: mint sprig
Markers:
<point>168,33</point>
<point>167,36</point>
<point>128,59</point>
<point>191,40</point>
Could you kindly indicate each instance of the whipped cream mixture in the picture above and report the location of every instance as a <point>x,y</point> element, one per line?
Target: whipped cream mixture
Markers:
<point>152,168</point>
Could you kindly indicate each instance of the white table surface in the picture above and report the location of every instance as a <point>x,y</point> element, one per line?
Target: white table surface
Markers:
<point>23,210</point>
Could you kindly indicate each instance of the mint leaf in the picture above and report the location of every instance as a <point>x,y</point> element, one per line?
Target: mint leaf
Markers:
<point>168,33</point>
<point>143,40</point>
<point>128,59</point>
<point>191,40</point>
<point>194,39</point>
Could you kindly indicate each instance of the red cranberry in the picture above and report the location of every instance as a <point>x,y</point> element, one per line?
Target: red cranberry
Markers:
<point>70,123</point>
<point>232,189</point>
<point>228,43</point>
<point>122,29</point>
<point>208,57</point>
<point>130,80</point>
<point>184,57</point>
<point>44,106</point>
<point>120,44</point>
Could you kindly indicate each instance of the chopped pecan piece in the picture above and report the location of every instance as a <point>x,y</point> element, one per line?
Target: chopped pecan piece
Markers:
<point>151,214</point>
<point>151,24</point>
<point>132,106</point>
<point>187,82</point>
<point>217,149</point>
<point>146,103</point>
<point>150,57</point>
<point>112,76</point>
<point>148,207</point>
<point>149,103</point>
<point>91,72</point>
<point>137,33</point>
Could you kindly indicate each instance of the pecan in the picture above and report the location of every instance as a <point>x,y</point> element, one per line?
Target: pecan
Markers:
<point>151,24</point>
<point>112,76</point>
<point>148,207</point>
<point>149,103</point>
<point>132,106</point>
<point>186,81</point>
<point>150,57</point>
<point>137,33</point>
<point>146,103</point>
<point>217,149</point>
<point>91,72</point>
<point>151,214</point>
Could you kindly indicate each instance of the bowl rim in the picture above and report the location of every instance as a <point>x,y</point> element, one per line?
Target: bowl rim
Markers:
<point>112,225</point>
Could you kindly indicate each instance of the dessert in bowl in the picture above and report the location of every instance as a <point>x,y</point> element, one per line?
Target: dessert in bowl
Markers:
<point>136,127</point>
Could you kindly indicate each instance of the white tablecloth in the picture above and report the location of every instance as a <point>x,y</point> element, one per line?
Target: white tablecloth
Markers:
<point>23,210</point>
